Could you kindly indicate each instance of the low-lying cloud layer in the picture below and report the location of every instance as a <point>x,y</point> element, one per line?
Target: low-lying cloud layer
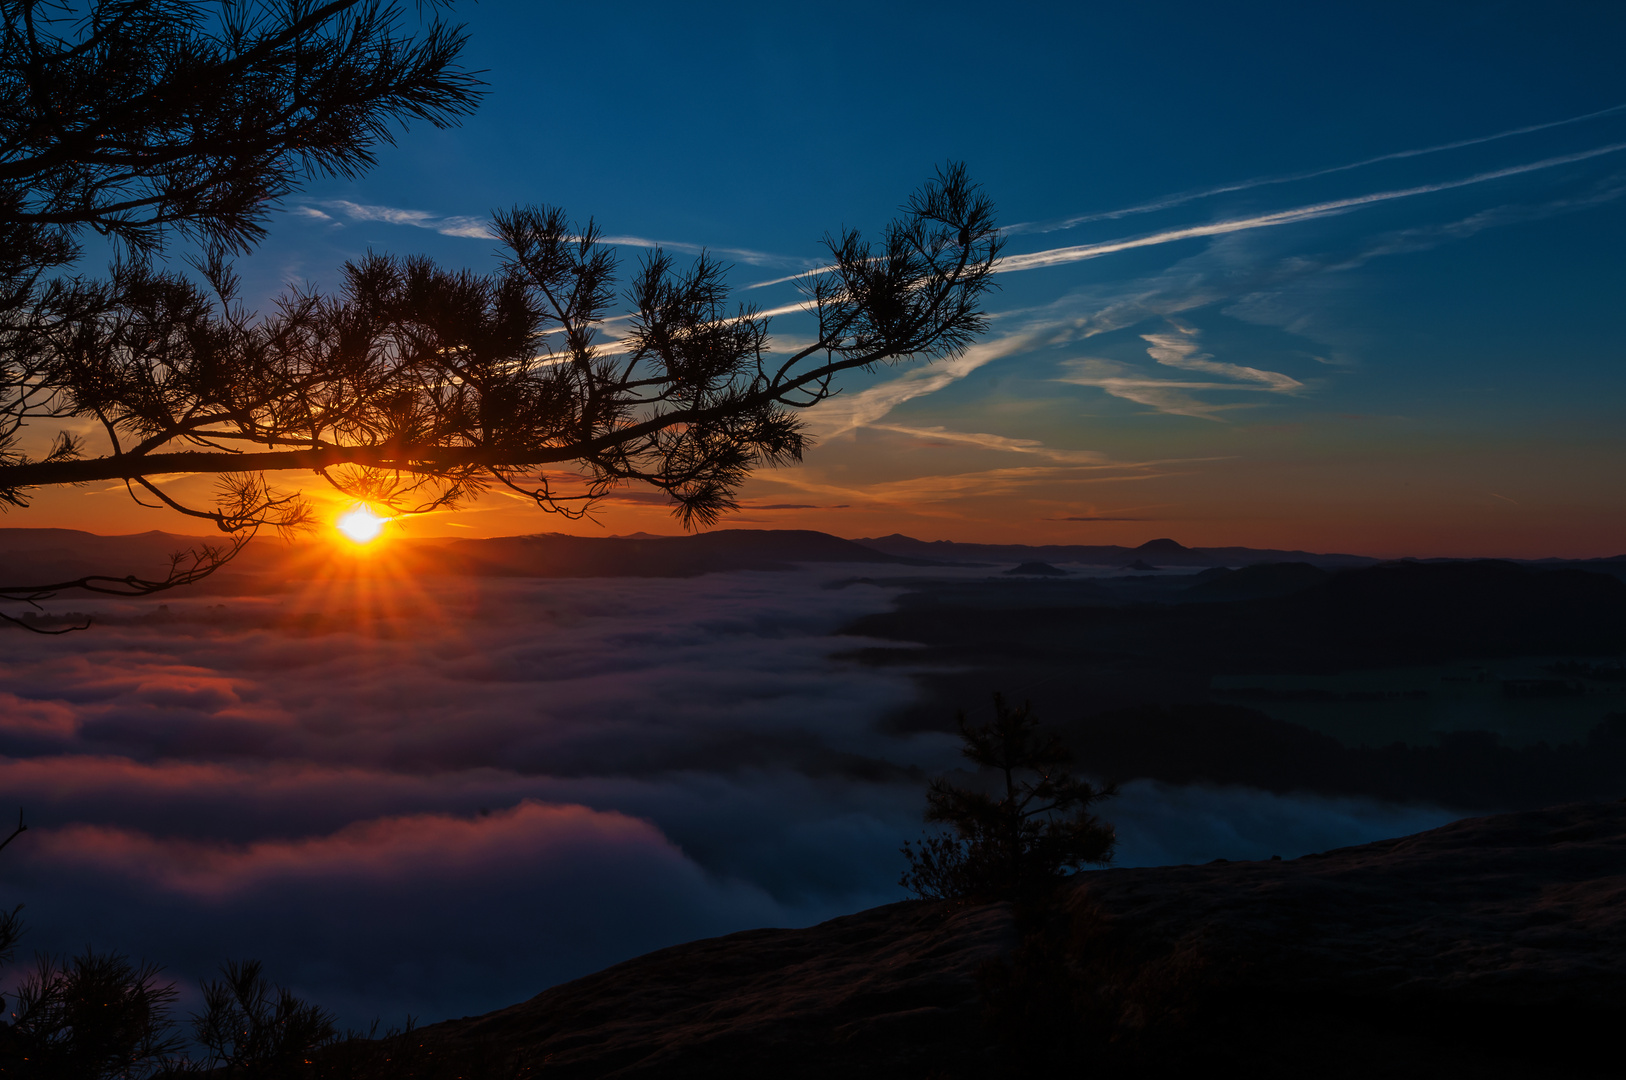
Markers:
<point>443,797</point>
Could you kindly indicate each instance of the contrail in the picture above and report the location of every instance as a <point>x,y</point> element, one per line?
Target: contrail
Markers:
<point>1078,253</point>
<point>1265,181</point>
<point>1060,256</point>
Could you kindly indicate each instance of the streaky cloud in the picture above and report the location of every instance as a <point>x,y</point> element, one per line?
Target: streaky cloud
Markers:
<point>862,409</point>
<point>1179,350</point>
<point>1426,237</point>
<point>1169,396</point>
<point>1166,295</point>
<point>1080,252</point>
<point>985,441</point>
<point>812,270</point>
<point>745,255</point>
<point>479,228</point>
<point>1172,201</point>
<point>946,487</point>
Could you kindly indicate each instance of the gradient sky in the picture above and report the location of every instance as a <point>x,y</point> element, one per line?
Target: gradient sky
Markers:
<point>1344,277</point>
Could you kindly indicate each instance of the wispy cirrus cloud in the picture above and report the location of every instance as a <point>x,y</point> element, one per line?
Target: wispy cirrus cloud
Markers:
<point>917,491</point>
<point>638,497</point>
<point>1080,252</point>
<point>744,255</point>
<point>795,506</point>
<point>1254,291</point>
<point>479,228</point>
<point>812,269</point>
<point>1136,303</point>
<point>844,414</point>
<point>1179,350</point>
<point>986,441</point>
<point>1177,347</point>
<point>1163,395</point>
<point>1062,256</point>
<point>455,225</point>
<point>1427,237</point>
<point>1171,201</point>
<point>1008,481</point>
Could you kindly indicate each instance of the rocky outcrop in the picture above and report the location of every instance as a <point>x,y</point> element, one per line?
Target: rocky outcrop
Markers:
<point>888,992</point>
<point>1526,909</point>
<point>1494,946</point>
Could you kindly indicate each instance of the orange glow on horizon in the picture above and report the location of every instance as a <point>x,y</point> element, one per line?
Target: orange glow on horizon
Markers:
<point>361,525</point>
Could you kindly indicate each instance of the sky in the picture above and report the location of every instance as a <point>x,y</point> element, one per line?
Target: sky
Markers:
<point>1341,277</point>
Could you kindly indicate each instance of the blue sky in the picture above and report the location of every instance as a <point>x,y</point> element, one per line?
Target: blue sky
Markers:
<point>1367,301</point>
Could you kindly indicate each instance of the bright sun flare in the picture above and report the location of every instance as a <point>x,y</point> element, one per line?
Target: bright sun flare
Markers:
<point>361,525</point>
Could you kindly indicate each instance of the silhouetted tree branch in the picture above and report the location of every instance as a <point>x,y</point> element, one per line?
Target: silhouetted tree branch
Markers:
<point>413,386</point>
<point>416,386</point>
<point>136,117</point>
<point>141,119</point>
<point>185,568</point>
<point>21,828</point>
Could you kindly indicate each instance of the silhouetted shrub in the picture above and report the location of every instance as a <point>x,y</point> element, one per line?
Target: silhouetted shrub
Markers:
<point>250,1027</point>
<point>1020,841</point>
<point>96,1015</point>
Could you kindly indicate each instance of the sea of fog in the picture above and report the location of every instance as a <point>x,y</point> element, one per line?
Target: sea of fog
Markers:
<point>439,797</point>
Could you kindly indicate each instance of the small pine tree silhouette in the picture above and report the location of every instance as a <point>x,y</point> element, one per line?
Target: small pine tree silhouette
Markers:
<point>1017,844</point>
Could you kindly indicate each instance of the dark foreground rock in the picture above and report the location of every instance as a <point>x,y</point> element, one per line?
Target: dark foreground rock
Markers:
<point>1492,947</point>
<point>888,992</point>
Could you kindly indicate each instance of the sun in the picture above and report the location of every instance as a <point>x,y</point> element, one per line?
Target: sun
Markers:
<point>361,524</point>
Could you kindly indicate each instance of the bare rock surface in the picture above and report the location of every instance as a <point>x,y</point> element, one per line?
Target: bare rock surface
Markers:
<point>890,987</point>
<point>1409,957</point>
<point>1526,908</point>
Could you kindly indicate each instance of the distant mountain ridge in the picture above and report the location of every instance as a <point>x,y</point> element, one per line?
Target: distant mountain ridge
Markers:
<point>1161,552</point>
<point>560,555</point>
<point>40,556</point>
<point>30,556</point>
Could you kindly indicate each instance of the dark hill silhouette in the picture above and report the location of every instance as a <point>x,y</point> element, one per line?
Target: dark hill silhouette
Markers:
<point>1492,947</point>
<point>1256,582</point>
<point>1403,613</point>
<point>61,554</point>
<point>38,555</point>
<point>1468,771</point>
<point>1074,650</point>
<point>1040,569</point>
<point>1490,607</point>
<point>1614,566</point>
<point>559,555</point>
<point>1162,551</point>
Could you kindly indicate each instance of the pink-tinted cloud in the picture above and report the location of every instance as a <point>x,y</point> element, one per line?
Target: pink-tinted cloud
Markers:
<point>394,852</point>
<point>441,795</point>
